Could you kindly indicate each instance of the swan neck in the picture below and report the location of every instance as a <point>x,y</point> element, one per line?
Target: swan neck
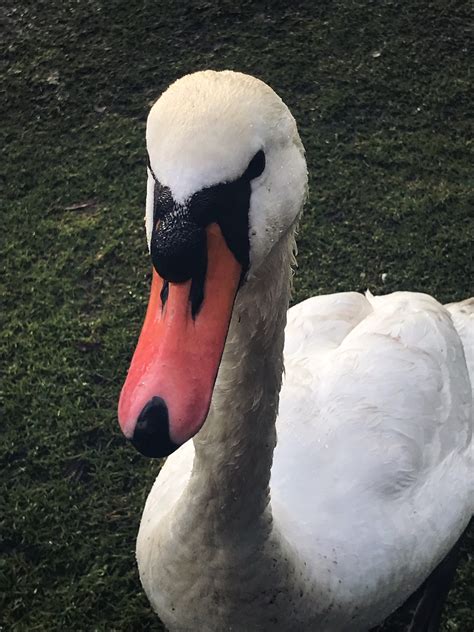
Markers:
<point>234,449</point>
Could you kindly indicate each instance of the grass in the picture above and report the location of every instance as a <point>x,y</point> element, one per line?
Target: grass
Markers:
<point>380,93</point>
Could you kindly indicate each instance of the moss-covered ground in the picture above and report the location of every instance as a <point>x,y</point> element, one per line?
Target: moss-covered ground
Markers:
<point>380,92</point>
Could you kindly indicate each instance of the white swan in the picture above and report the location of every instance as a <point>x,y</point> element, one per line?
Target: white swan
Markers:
<point>369,486</point>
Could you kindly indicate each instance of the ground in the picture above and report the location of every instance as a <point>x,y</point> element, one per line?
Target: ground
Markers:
<point>380,94</point>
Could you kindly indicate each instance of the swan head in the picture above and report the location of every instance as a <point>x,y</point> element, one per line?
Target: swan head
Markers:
<point>227,180</point>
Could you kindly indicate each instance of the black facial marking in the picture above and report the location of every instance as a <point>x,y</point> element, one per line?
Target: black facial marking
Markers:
<point>163,202</point>
<point>178,243</point>
<point>256,165</point>
<point>197,287</point>
<point>164,293</point>
<point>203,206</point>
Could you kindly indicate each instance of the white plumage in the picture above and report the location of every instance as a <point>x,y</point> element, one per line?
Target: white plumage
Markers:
<point>370,484</point>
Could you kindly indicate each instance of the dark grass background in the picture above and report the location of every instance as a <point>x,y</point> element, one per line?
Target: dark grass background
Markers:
<point>380,92</point>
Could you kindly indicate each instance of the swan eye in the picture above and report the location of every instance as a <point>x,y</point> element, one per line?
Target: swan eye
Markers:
<point>163,202</point>
<point>203,206</point>
<point>256,165</point>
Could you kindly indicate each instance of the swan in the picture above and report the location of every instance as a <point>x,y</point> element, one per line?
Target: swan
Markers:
<point>369,485</point>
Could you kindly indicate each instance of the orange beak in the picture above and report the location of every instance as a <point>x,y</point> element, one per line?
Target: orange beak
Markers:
<point>167,394</point>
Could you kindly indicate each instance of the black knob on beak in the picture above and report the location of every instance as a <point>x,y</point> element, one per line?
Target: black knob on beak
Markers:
<point>178,247</point>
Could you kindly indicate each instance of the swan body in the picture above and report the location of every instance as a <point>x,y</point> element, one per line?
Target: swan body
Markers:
<point>333,471</point>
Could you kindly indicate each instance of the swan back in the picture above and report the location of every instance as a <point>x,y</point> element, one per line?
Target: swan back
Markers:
<point>462,314</point>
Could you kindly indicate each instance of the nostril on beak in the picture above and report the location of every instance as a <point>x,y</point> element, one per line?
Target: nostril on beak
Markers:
<point>151,436</point>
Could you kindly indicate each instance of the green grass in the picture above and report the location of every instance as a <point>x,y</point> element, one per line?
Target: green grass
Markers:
<point>380,93</point>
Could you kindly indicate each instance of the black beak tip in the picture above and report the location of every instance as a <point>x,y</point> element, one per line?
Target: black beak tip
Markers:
<point>151,437</point>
